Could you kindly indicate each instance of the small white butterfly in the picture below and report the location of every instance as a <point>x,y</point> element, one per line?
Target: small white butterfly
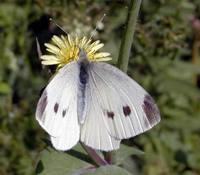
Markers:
<point>92,102</point>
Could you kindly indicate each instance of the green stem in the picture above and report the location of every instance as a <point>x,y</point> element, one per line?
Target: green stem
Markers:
<point>128,35</point>
<point>126,43</point>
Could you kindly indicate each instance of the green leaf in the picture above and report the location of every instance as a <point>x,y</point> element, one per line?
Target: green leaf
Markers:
<point>183,70</point>
<point>109,169</point>
<point>175,86</point>
<point>124,152</point>
<point>4,88</point>
<point>187,124</point>
<point>53,162</point>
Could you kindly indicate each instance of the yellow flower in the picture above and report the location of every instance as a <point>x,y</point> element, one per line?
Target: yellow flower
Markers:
<point>65,49</point>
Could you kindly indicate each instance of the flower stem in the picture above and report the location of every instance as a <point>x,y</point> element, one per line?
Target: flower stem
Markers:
<point>95,157</point>
<point>128,34</point>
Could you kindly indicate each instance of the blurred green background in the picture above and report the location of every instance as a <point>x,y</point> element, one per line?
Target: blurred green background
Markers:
<point>164,60</point>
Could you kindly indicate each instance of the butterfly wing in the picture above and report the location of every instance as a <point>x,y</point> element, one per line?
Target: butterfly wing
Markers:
<point>124,108</point>
<point>57,108</point>
<point>70,130</point>
<point>93,131</point>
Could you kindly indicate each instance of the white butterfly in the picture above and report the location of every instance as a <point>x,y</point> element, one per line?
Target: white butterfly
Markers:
<point>95,103</point>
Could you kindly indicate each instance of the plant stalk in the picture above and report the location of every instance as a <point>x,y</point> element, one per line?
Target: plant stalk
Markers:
<point>196,45</point>
<point>126,44</point>
<point>127,39</point>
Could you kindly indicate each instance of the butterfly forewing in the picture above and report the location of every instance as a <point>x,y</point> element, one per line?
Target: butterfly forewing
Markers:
<point>125,107</point>
<point>94,132</point>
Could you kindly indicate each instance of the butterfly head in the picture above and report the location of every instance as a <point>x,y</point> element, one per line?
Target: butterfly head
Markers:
<point>69,48</point>
<point>82,56</point>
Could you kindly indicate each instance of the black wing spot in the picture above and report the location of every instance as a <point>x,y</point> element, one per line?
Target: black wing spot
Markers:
<point>126,110</point>
<point>56,107</point>
<point>151,110</point>
<point>110,114</point>
<point>64,112</point>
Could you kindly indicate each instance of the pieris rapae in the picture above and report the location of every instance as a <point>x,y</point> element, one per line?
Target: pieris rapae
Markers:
<point>91,101</point>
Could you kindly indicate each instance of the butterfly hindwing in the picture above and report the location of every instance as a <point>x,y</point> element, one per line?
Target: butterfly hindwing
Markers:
<point>124,107</point>
<point>57,108</point>
<point>70,130</point>
<point>94,132</point>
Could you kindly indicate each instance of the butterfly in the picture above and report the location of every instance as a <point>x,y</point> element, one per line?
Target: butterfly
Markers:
<point>93,102</point>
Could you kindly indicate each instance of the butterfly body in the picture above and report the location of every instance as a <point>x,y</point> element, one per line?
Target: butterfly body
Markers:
<point>96,103</point>
<point>83,64</point>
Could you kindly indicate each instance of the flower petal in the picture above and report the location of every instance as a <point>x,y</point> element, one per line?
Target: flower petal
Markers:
<point>93,44</point>
<point>95,48</point>
<point>87,44</point>
<point>69,39</point>
<point>104,59</point>
<point>48,57</point>
<point>50,62</point>
<point>83,41</point>
<point>52,48</point>
<point>101,55</point>
<point>65,41</point>
<point>58,41</point>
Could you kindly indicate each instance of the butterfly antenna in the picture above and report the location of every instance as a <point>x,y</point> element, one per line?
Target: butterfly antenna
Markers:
<point>39,52</point>
<point>50,19</point>
<point>38,48</point>
<point>93,32</point>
